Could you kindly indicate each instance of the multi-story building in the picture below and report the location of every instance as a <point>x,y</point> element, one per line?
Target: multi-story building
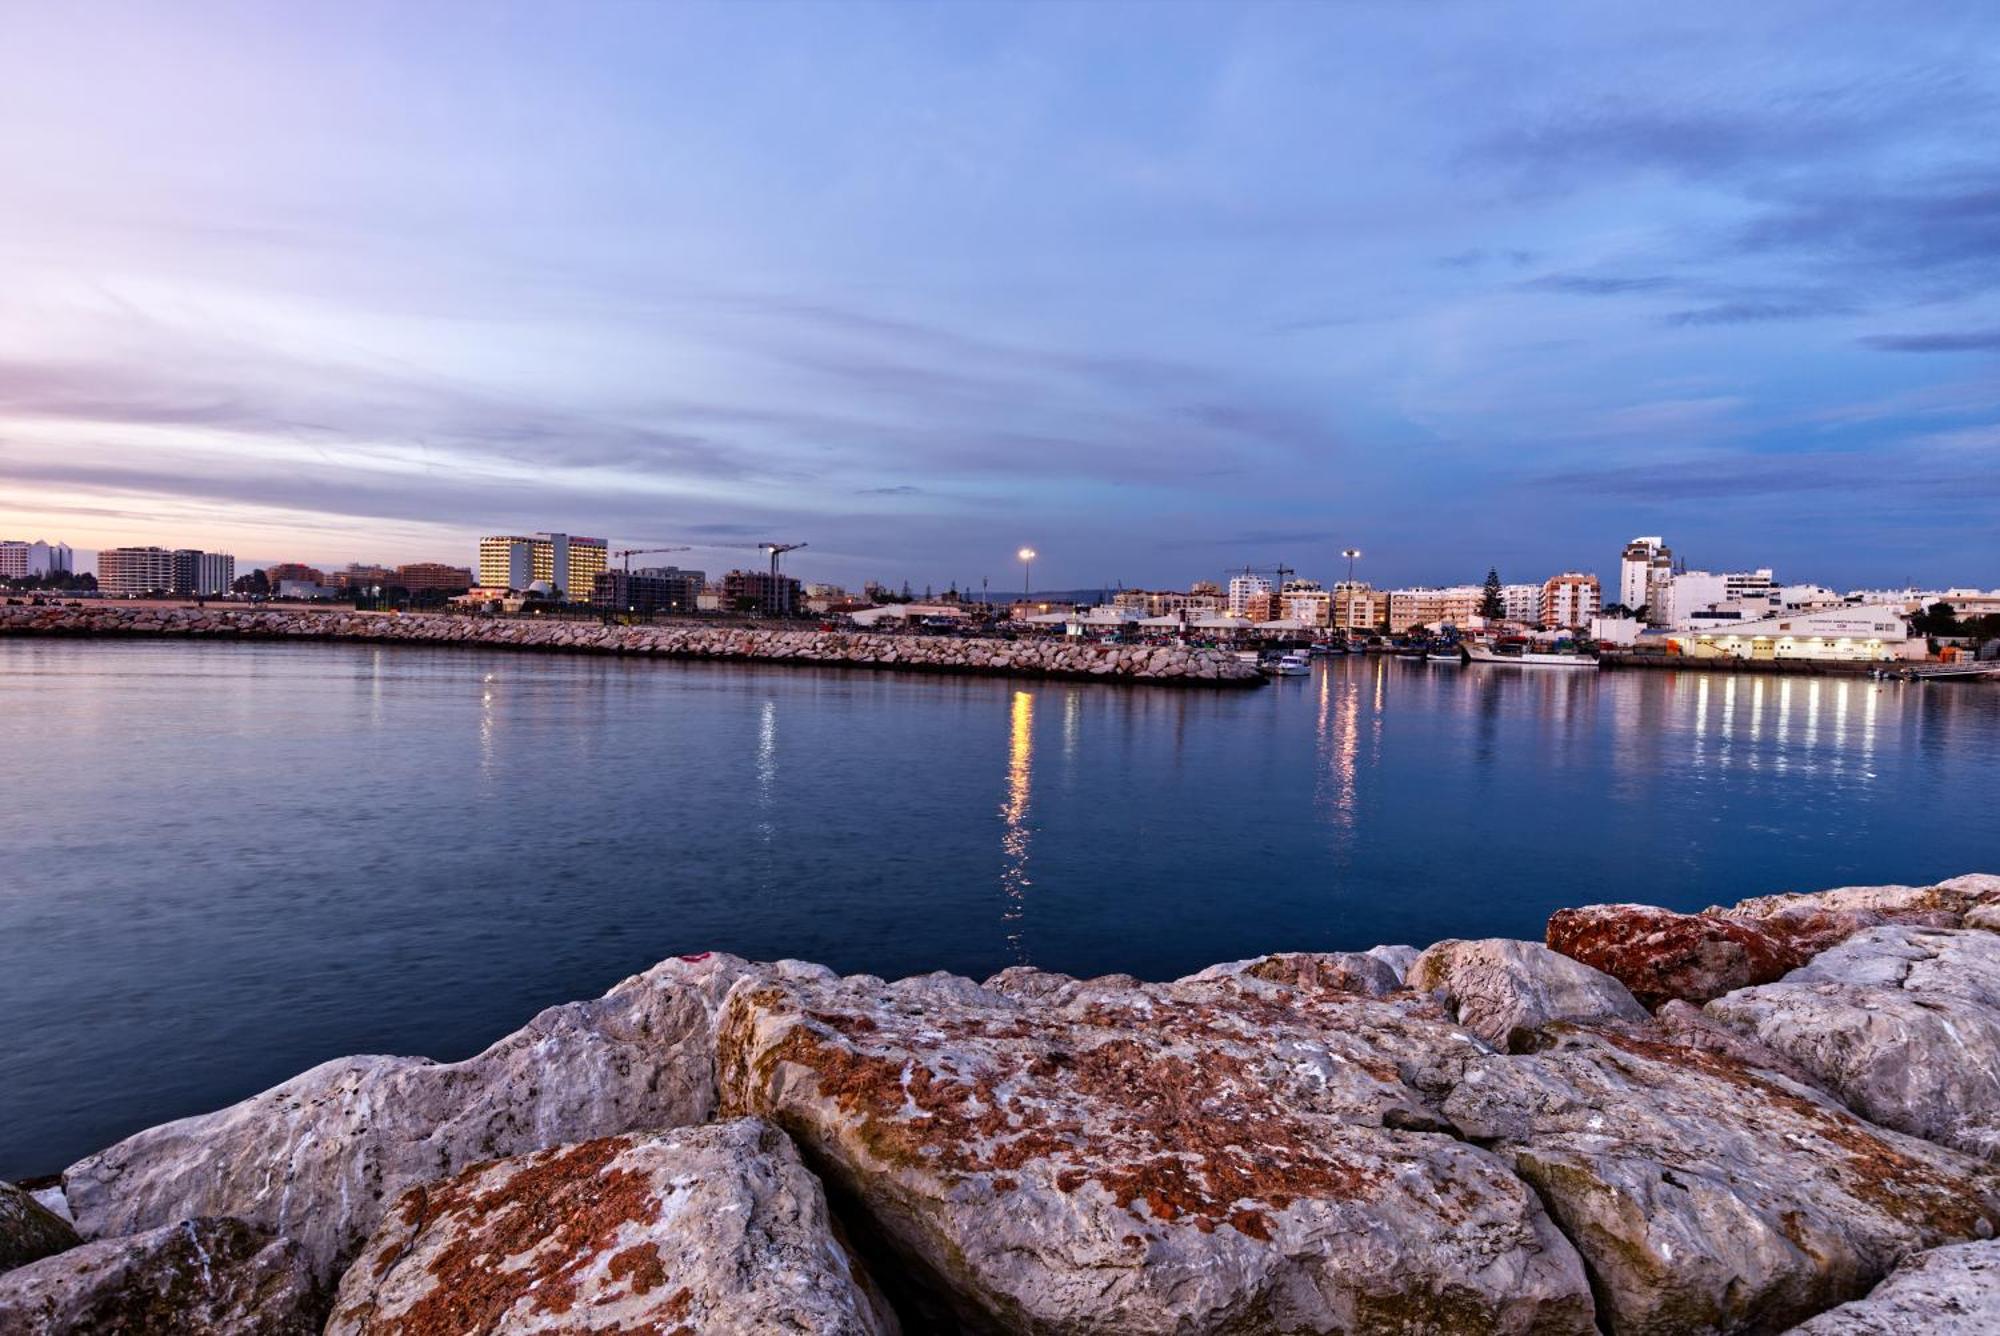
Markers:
<point>1457,604</point>
<point>361,575</point>
<point>759,591</point>
<point>1243,589</point>
<point>425,576</point>
<point>127,571</point>
<point>1521,603</point>
<point>1357,607</point>
<point>656,589</point>
<point>1570,600</point>
<point>296,571</point>
<point>1304,601</point>
<point>1646,562</point>
<point>19,560</point>
<point>201,574</point>
<point>569,565</point>
<point>1682,598</point>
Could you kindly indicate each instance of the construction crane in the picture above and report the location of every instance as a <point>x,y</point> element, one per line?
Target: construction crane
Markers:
<point>779,594</point>
<point>626,554</point>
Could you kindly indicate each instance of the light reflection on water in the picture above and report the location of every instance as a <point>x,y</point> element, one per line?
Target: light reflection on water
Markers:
<point>225,863</point>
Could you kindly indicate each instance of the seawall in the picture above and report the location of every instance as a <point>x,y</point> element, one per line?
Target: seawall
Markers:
<point>1776,1112</point>
<point>1058,659</point>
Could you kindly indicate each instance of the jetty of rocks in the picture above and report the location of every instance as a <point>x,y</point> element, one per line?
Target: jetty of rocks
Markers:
<point>1045,657</point>
<point>1775,1115</point>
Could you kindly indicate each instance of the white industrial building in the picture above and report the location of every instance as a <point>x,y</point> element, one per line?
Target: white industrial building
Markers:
<point>1869,632</point>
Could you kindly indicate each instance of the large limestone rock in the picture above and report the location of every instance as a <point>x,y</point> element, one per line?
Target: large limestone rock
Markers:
<point>196,1278</point>
<point>714,1229</point>
<point>1811,922</point>
<point>1225,1154</point>
<point>319,1158</point>
<point>1662,956</point>
<point>28,1230</point>
<point>1501,989</point>
<point>1706,1195</point>
<point>1902,1022</point>
<point>1944,1292</point>
<point>1352,971</point>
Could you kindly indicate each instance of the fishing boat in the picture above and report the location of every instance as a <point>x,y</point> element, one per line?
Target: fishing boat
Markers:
<point>1444,654</point>
<point>1475,653</point>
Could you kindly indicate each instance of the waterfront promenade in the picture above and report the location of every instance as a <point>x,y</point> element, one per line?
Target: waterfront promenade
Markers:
<point>1061,659</point>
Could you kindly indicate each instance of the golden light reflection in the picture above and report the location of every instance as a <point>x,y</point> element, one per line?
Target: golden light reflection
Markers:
<point>1014,841</point>
<point>1340,749</point>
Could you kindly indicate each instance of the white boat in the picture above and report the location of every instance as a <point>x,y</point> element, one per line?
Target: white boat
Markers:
<point>1288,665</point>
<point>1527,658</point>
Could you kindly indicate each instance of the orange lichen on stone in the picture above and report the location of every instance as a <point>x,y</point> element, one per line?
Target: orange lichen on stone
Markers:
<point>1167,1120</point>
<point>1662,956</point>
<point>561,1210</point>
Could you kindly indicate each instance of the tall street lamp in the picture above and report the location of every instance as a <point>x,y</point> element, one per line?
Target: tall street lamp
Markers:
<point>1350,553</point>
<point>1027,556</point>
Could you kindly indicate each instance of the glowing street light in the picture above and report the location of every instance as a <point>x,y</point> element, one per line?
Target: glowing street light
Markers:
<point>1350,553</point>
<point>1027,556</point>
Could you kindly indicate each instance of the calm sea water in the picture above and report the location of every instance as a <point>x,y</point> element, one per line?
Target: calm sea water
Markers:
<point>222,864</point>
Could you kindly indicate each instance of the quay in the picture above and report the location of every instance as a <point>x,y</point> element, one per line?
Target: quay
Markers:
<point>1169,665</point>
<point>1896,670</point>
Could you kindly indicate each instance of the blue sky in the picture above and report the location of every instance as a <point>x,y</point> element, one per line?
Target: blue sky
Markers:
<point>1160,289</point>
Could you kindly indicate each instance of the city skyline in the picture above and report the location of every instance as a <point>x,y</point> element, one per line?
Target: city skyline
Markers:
<point>923,285</point>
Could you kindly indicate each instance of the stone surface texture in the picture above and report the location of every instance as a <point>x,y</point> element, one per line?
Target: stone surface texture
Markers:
<point>1500,989</point>
<point>1902,1022</point>
<point>319,1158</point>
<point>208,1277</point>
<point>29,1231</point>
<point>1944,1292</point>
<point>1220,1154</point>
<point>1706,1195</point>
<point>1042,656</point>
<point>714,1230</point>
<point>1662,956</point>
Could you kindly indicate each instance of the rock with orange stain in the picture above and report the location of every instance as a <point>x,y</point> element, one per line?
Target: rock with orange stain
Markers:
<point>196,1278</point>
<point>1902,1022</point>
<point>1706,1194</point>
<point>1230,1153</point>
<point>716,1229</point>
<point>1663,956</point>
<point>319,1158</point>
<point>1502,990</point>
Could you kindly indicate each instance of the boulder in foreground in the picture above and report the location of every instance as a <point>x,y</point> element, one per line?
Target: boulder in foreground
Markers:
<point>1663,956</point>
<point>1222,1154</point>
<point>319,1158</point>
<point>1943,1292</point>
<point>197,1278</point>
<point>714,1229</point>
<point>1500,989</point>
<point>29,1231</point>
<point>1903,1023</point>
<point>1706,1195</point>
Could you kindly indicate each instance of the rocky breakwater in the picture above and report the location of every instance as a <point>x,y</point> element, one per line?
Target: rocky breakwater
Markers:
<point>1482,1137</point>
<point>1167,665</point>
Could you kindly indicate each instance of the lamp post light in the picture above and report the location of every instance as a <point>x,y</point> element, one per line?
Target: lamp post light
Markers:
<point>1027,556</point>
<point>1350,553</point>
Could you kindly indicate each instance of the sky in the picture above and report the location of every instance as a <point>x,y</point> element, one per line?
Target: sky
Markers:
<point>1160,290</point>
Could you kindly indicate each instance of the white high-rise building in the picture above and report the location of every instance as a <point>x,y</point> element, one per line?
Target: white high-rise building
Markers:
<point>1569,600</point>
<point>1522,603</point>
<point>18,560</point>
<point>1646,562</point>
<point>1243,588</point>
<point>135,570</point>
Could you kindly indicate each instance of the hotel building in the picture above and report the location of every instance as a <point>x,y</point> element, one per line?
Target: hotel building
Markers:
<point>202,574</point>
<point>567,564</point>
<point>126,571</point>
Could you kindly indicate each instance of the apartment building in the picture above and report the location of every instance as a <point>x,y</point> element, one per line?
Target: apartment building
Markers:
<point>569,565</point>
<point>1570,600</point>
<point>128,571</point>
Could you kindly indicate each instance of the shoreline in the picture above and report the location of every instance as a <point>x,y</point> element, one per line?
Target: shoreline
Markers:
<point>1738,1120</point>
<point>1057,660</point>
